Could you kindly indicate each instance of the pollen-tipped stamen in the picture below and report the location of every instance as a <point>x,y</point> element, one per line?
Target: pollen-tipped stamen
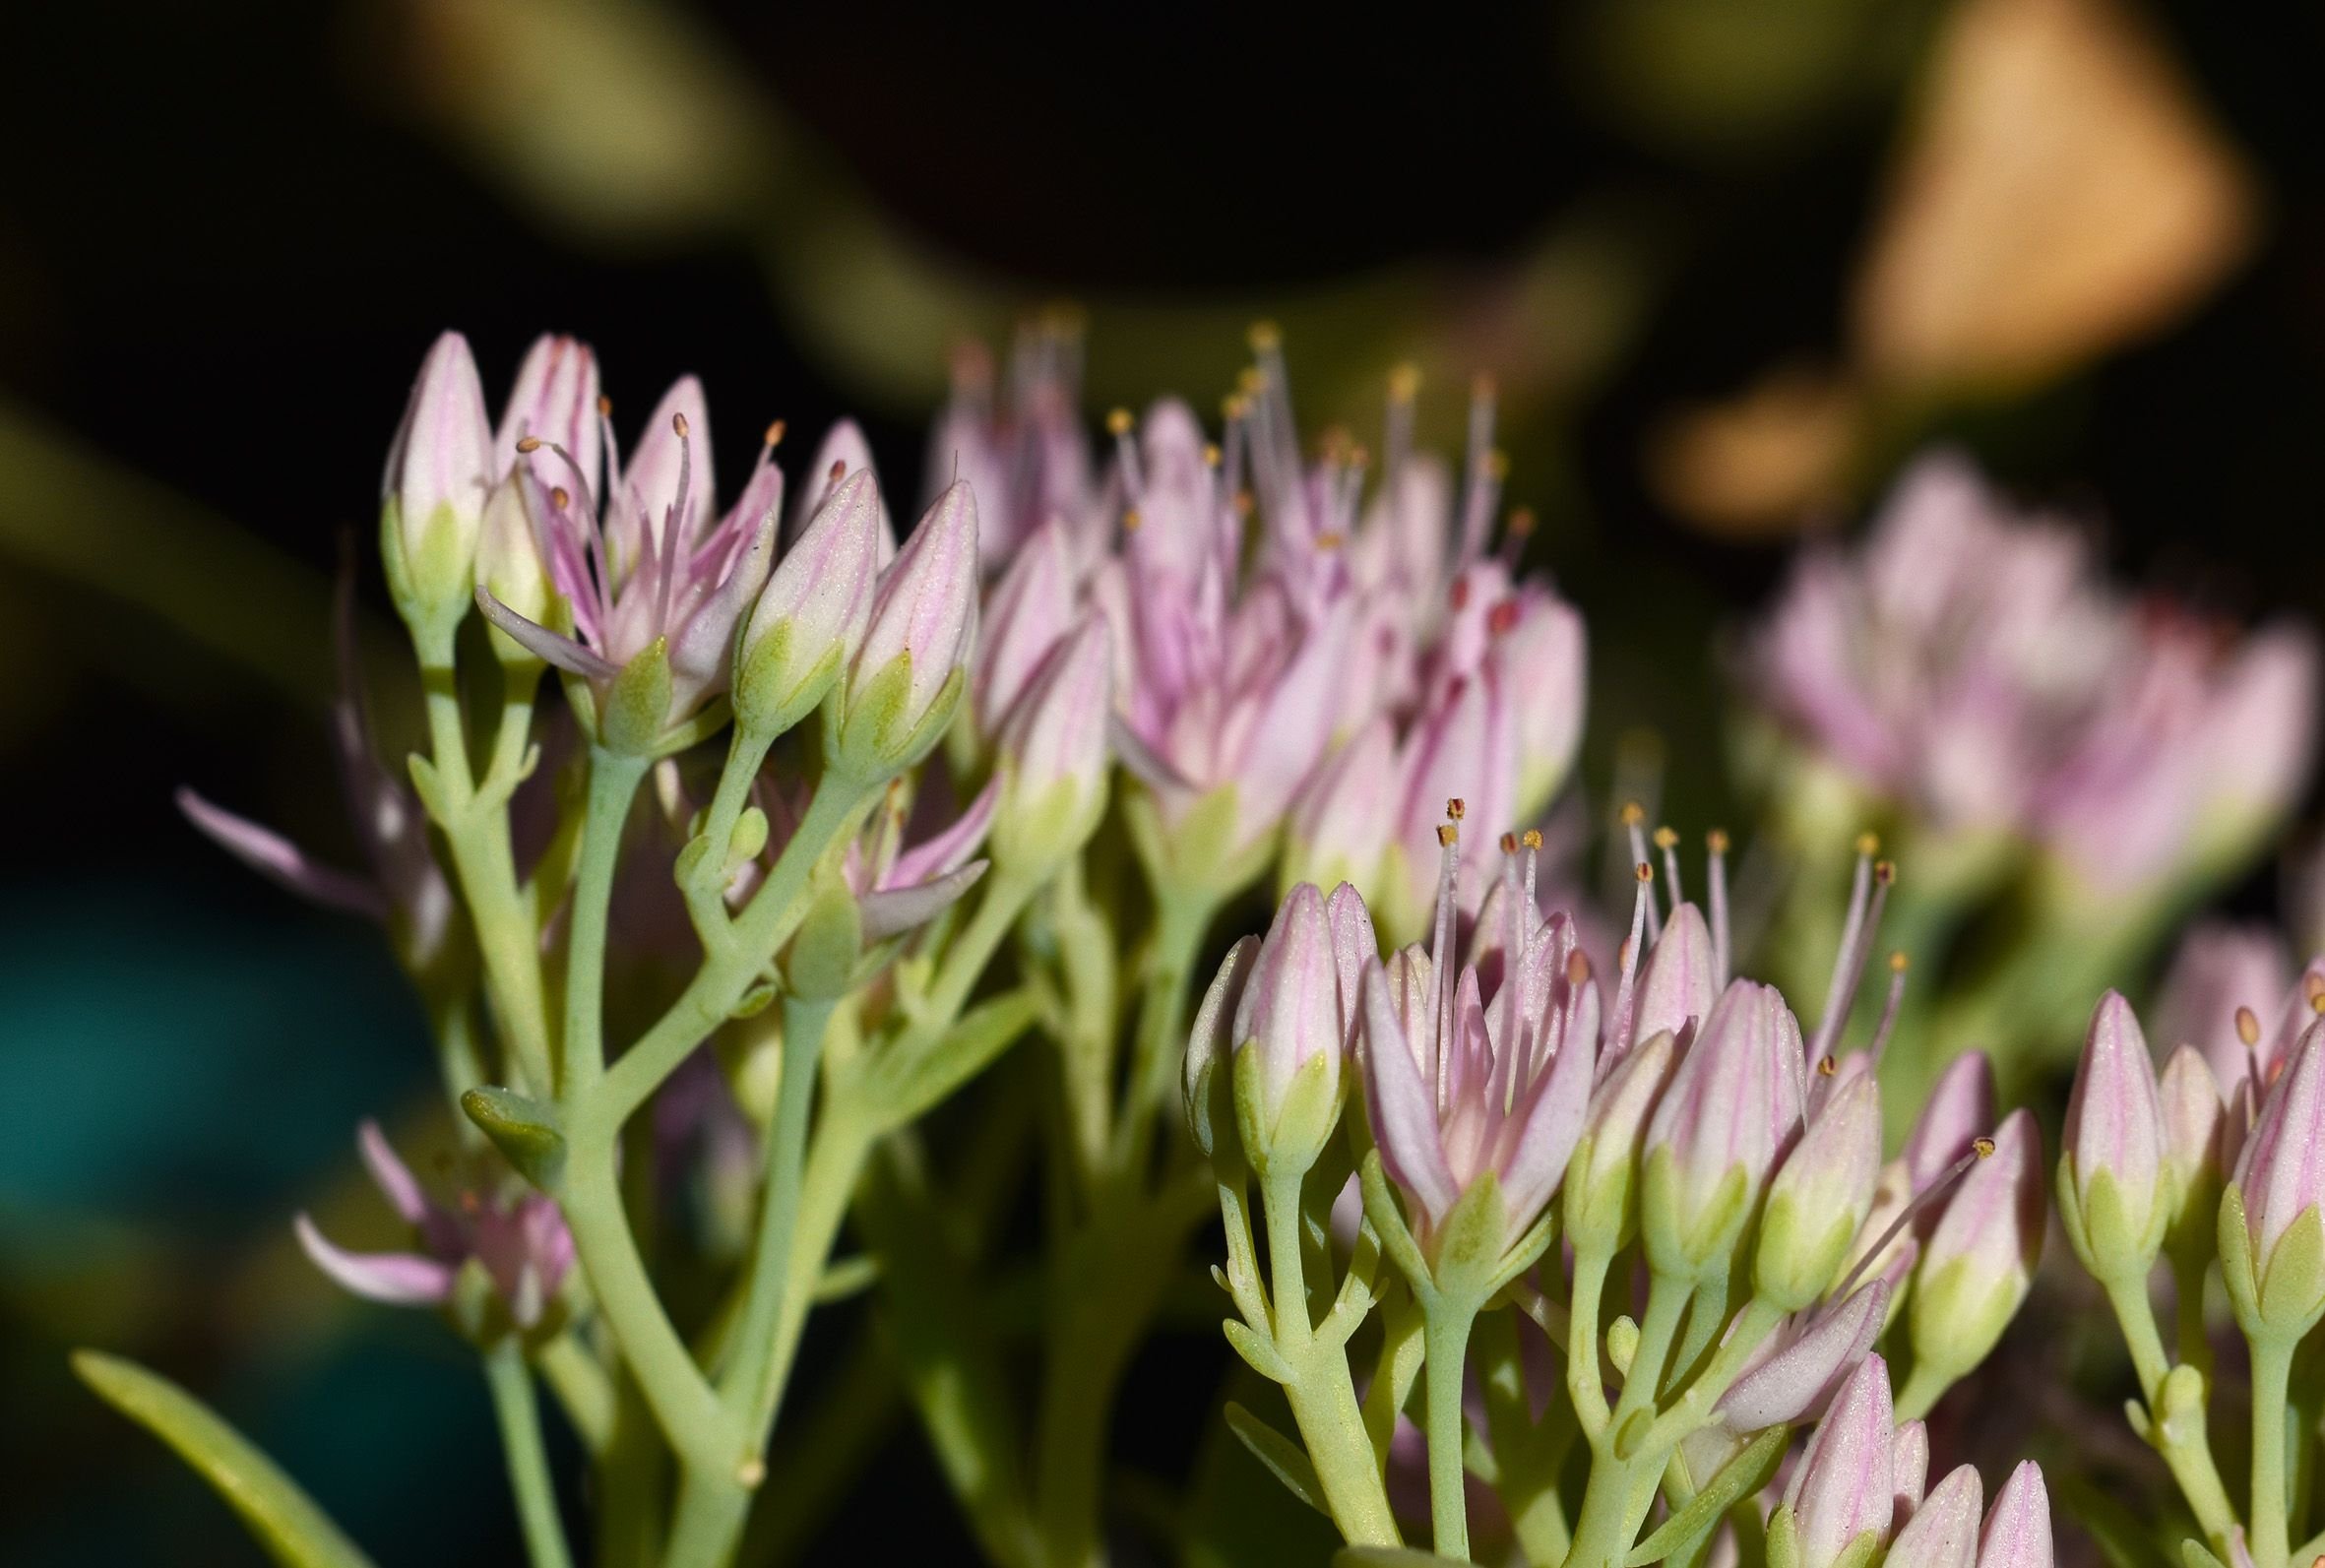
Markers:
<point>1981,1148</point>
<point>1715,875</point>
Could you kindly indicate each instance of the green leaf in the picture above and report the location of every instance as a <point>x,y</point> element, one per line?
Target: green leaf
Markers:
<point>1739,1479</point>
<point>286,1521</point>
<point>1284,1459</point>
<point>965,1051</point>
<point>1258,1352</point>
<point>525,1132</point>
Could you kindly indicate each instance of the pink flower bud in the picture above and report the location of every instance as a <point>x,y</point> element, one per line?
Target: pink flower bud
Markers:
<point>1820,1196</point>
<point>1731,1110</point>
<point>1980,1260</point>
<point>925,608</point>
<point>1796,1376</point>
<point>1340,830</point>
<point>1601,1184</point>
<point>2196,1122</point>
<point>2115,1130</point>
<point>1909,1464</point>
<point>2280,1173</point>
<point>844,452</point>
<point>1291,1013</point>
<point>1943,1530</point>
<point>2219,970</point>
<point>435,485</point>
<point>1677,984</point>
<point>1542,662</point>
<point>2018,1529</point>
<point>555,402</point>
<point>1031,607</point>
<point>812,615</point>
<point>1211,1041</point>
<point>1960,1110</point>
<point>1844,1487</point>
<point>1053,753</point>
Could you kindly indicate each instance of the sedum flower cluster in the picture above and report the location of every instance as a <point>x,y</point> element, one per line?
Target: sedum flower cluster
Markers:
<point>785,829</point>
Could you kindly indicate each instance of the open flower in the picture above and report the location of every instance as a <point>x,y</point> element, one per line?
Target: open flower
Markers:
<point>1463,1081</point>
<point>521,1244</point>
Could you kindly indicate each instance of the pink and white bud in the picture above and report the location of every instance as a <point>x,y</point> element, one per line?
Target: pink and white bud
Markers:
<point>2195,1128</point>
<point>923,625</point>
<point>1820,1196</point>
<point>1943,1530</point>
<point>1909,1464</point>
<point>2219,970</point>
<point>1603,1179</point>
<point>1733,1108</point>
<point>2018,1527</point>
<point>1958,1112</point>
<point>2113,1197</point>
<point>813,614</point>
<point>844,452</point>
<point>1341,829</point>
<point>1844,1487</point>
<point>1288,1030</point>
<point>433,491</point>
<point>1802,1365</point>
<point>1031,607</point>
<point>1678,983</point>
<point>1542,662</point>
<point>1979,1261</point>
<point>1210,1043</point>
<point>2279,1174</point>
<point>1053,753</point>
<point>555,402</point>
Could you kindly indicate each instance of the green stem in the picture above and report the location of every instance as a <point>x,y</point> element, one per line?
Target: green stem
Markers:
<point>1445,1332</point>
<point>1666,1302</point>
<point>2137,1318</point>
<point>1585,1383</point>
<point>1753,1324</point>
<point>2188,1266</point>
<point>582,1389</point>
<point>2272,1371</point>
<point>1924,1387</point>
<point>1604,1532</point>
<point>518,1415</point>
<point>706,888</point>
<point>613,784</point>
<point>749,1387</point>
<point>1181,917</point>
<point>2181,1441</point>
<point>764,924</point>
<point>1322,1395</point>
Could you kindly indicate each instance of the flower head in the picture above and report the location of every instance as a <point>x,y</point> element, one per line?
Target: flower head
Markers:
<point>1463,1081</point>
<point>521,1245</point>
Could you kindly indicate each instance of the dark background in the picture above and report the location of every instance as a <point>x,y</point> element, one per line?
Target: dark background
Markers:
<point>227,234</point>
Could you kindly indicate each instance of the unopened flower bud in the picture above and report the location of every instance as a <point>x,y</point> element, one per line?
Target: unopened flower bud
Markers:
<point>1544,661</point>
<point>812,614</point>
<point>2112,1196</point>
<point>2220,971</point>
<point>1340,830</point>
<point>1844,1487</point>
<point>1820,1196</point>
<point>1210,1043</point>
<point>1731,1110</point>
<point>1290,1037</point>
<point>1053,754</point>
<point>904,682</point>
<point>1677,984</point>
<point>2272,1240</point>
<point>2018,1529</point>
<point>1981,1259</point>
<point>1958,1112</point>
<point>1601,1179</point>
<point>433,492</point>
<point>1943,1531</point>
<point>2195,1124</point>
<point>1030,611</point>
<point>553,406</point>
<point>509,563</point>
<point>1800,1376</point>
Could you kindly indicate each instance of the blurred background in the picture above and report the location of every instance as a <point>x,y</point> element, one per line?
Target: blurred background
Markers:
<point>1726,262</point>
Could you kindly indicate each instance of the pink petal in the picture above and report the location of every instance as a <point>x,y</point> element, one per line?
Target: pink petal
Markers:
<point>398,1279</point>
<point>280,860</point>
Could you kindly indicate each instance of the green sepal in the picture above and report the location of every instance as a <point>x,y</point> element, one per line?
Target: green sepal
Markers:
<point>1675,1246</point>
<point>752,1002</point>
<point>1258,1352</point>
<point>1470,1243</point>
<point>770,697</point>
<point>1388,1222</point>
<point>1783,1537</point>
<point>2107,1236</point>
<point>2237,1269</point>
<point>1200,851</point>
<point>1599,1215</point>
<point>1033,837</point>
<point>430,581</point>
<point>1792,1270</point>
<point>637,702</point>
<point>874,733</point>
<point>821,963</point>
<point>284,1519</point>
<point>1860,1552</point>
<point>1286,1140</point>
<point>484,1318</point>
<point>1954,1324</point>
<point>2292,1291</point>
<point>1752,1469</point>
<point>528,1133</point>
<point>1284,1459</point>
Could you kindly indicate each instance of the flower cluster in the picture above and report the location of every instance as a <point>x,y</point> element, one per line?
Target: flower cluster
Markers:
<point>1719,1168</point>
<point>2211,1167</point>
